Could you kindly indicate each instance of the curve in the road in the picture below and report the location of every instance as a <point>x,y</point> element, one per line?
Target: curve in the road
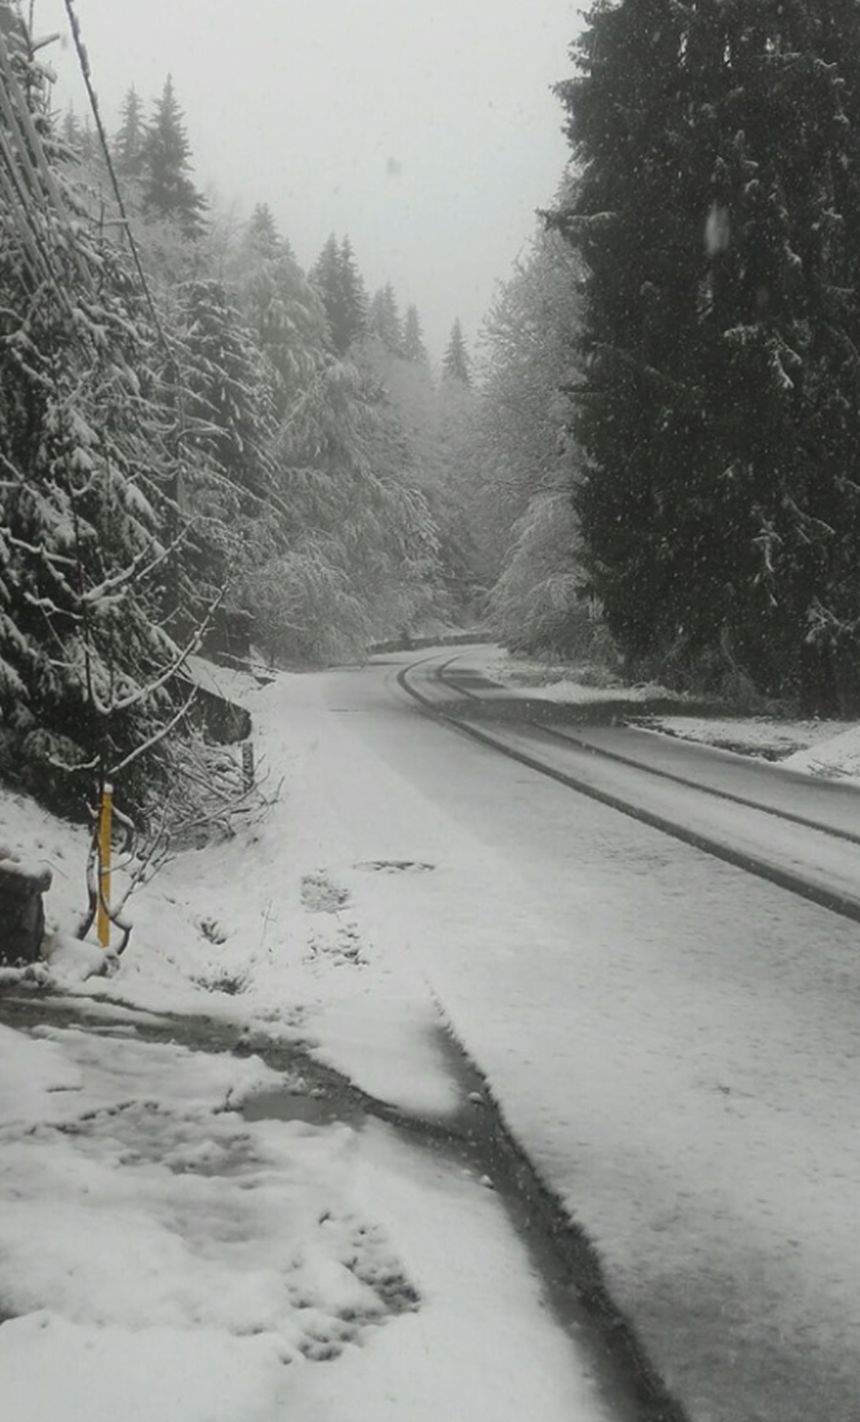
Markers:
<point>583,744</point>
<point>841,904</point>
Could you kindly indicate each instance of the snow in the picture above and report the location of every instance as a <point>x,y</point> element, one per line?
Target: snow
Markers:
<point>13,867</point>
<point>165,1256</point>
<point>827,749</point>
<point>752,735</point>
<point>673,1041</point>
<point>836,756</point>
<point>537,680</point>
<point>72,961</point>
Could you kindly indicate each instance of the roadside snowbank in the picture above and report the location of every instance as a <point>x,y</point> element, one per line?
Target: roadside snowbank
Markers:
<point>762,736</point>
<point>547,681</point>
<point>833,757</point>
<point>828,749</point>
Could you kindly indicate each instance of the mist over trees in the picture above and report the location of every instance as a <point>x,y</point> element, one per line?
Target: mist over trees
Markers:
<point>650,449</point>
<point>205,451</point>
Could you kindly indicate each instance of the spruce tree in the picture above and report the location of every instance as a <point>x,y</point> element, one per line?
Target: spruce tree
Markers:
<point>362,559</point>
<point>71,129</point>
<point>231,484</point>
<point>87,670</point>
<point>262,237</point>
<point>455,362</point>
<point>168,190</point>
<point>342,290</point>
<point>413,341</point>
<point>719,411</point>
<point>384,320</point>
<point>353,298</point>
<point>128,145</point>
<point>282,308</point>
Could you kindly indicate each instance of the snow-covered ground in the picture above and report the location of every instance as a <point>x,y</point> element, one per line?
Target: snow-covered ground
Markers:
<point>675,1043</point>
<point>828,749</point>
<point>765,736</point>
<point>547,681</point>
<point>832,757</point>
<point>162,1257</point>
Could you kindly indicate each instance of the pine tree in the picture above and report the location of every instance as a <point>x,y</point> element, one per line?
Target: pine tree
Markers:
<point>353,298</point>
<point>71,129</point>
<point>262,237</point>
<point>456,364</point>
<point>342,289</point>
<point>87,140</point>
<point>362,558</point>
<point>231,401</point>
<point>282,308</point>
<point>720,411</point>
<point>384,320</point>
<point>129,143</point>
<point>168,191</point>
<point>231,485</point>
<point>521,509</point>
<point>413,341</point>
<point>87,671</point>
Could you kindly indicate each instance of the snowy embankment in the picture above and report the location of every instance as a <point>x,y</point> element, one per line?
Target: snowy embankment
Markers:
<point>545,681</point>
<point>673,1042</point>
<point>826,749</point>
<point>823,748</point>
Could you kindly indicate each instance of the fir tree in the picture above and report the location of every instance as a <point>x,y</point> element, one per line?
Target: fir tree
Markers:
<point>87,141</point>
<point>353,322</point>
<point>455,362</point>
<point>362,548</point>
<point>413,341</point>
<point>128,145</point>
<point>87,671</point>
<point>342,290</point>
<point>262,237</point>
<point>230,405</point>
<point>720,409</point>
<point>168,191</point>
<point>524,522</point>
<point>384,320</point>
<point>71,129</point>
<point>283,309</point>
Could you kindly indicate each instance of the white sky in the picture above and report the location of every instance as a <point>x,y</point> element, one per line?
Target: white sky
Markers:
<point>302,103</point>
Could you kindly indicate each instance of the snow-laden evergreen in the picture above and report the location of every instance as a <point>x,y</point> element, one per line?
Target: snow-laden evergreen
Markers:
<point>361,559</point>
<point>165,166</point>
<point>718,212</point>
<point>86,665</point>
<point>456,362</point>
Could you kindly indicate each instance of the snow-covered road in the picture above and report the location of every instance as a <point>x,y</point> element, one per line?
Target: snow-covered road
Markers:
<point>674,1041</point>
<point>801,833</point>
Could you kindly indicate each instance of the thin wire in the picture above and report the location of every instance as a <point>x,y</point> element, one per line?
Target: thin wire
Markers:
<point>173,370</point>
<point>83,61</point>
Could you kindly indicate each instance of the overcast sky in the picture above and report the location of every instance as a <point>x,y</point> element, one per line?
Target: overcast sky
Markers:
<point>424,128</point>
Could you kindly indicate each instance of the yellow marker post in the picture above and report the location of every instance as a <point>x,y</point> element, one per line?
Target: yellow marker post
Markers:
<point>103,917</point>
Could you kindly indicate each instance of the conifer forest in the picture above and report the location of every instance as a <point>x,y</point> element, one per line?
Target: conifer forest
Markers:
<point>648,453</point>
<point>429,710</point>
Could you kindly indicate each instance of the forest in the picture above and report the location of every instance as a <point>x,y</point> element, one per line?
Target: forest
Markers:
<point>648,457</point>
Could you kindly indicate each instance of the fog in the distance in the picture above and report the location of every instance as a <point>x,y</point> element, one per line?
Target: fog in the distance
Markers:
<point>428,132</point>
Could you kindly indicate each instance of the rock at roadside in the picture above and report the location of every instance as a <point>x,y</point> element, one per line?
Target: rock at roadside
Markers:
<point>22,916</point>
